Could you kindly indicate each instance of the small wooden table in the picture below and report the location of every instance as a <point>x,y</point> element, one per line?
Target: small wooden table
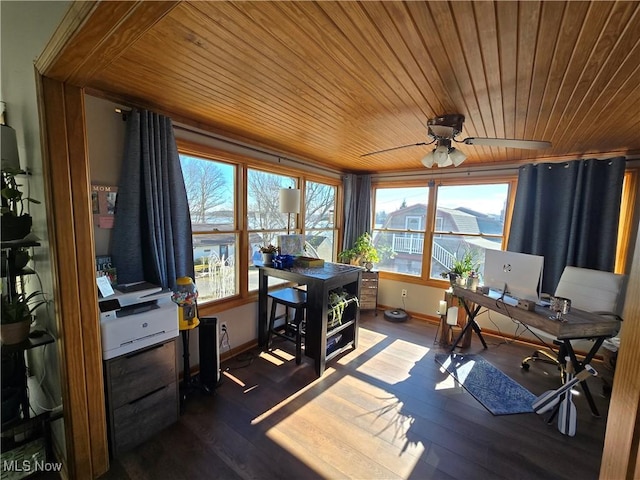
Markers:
<point>319,281</point>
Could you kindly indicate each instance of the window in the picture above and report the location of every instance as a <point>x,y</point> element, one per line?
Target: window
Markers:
<point>264,219</point>
<point>469,218</point>
<point>210,189</point>
<point>399,230</point>
<point>234,203</point>
<point>319,220</point>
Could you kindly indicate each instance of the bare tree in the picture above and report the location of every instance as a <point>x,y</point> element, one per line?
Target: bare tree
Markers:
<point>264,201</point>
<point>206,187</point>
<point>320,205</point>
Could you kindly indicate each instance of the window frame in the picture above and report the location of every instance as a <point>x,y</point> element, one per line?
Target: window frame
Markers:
<point>242,164</point>
<point>430,232</point>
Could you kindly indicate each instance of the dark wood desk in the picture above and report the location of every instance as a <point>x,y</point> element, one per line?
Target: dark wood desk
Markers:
<point>319,281</point>
<point>578,324</point>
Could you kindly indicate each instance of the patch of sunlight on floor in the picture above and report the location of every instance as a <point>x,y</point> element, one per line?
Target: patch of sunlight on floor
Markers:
<point>234,379</point>
<point>379,422</point>
<point>448,383</point>
<point>417,351</point>
<point>276,356</point>
<point>275,408</point>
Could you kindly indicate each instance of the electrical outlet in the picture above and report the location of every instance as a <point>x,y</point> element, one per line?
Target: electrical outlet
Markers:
<point>404,292</point>
<point>224,341</point>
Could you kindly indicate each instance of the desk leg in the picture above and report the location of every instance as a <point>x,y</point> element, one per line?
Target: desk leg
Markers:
<point>471,323</point>
<point>579,366</point>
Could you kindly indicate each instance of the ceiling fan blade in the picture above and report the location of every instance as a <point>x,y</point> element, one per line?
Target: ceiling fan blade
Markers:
<point>395,148</point>
<point>508,143</point>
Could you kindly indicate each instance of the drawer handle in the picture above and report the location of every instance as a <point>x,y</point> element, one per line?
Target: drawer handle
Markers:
<point>147,395</point>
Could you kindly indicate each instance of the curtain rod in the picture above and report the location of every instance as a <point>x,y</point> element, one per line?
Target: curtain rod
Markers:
<point>241,145</point>
<point>631,161</point>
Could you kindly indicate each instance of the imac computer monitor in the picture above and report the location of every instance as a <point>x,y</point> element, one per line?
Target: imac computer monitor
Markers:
<point>516,274</point>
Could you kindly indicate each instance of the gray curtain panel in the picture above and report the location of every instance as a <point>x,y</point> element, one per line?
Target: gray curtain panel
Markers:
<point>357,207</point>
<point>568,212</point>
<point>152,232</point>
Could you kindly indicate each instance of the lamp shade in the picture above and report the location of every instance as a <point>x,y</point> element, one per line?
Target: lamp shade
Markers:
<point>428,160</point>
<point>9,148</point>
<point>441,154</point>
<point>289,200</point>
<point>457,157</point>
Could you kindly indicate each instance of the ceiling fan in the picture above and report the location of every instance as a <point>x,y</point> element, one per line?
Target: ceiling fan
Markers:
<point>444,129</point>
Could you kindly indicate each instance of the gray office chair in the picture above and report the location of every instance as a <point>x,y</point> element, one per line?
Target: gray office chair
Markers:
<point>593,291</point>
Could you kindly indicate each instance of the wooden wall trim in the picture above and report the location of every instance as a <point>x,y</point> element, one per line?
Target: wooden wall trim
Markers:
<point>620,454</point>
<point>94,34</point>
<point>65,169</point>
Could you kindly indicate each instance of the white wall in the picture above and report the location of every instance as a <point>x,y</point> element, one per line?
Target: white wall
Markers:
<point>25,29</point>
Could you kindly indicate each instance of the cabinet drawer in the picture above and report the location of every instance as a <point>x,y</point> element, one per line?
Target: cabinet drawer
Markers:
<point>138,373</point>
<point>135,422</point>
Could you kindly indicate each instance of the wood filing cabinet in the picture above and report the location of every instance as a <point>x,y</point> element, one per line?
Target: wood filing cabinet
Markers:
<point>142,394</point>
<point>369,291</point>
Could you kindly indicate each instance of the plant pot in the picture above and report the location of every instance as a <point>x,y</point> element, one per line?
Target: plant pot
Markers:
<point>267,258</point>
<point>15,228</point>
<point>14,333</point>
<point>461,281</point>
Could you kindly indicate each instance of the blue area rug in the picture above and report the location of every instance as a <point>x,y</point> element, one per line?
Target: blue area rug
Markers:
<point>493,389</point>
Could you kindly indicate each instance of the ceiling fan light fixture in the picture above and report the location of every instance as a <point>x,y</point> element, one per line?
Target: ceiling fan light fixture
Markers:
<point>440,155</point>
<point>441,131</point>
<point>456,156</point>
<point>429,159</point>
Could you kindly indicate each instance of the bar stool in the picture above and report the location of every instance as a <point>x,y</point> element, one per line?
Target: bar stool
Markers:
<point>291,329</point>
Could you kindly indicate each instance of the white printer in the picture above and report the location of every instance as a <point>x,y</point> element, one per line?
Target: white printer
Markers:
<point>137,315</point>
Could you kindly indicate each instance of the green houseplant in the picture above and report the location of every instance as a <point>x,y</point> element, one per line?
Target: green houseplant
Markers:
<point>339,299</point>
<point>16,222</point>
<point>16,316</point>
<point>268,251</point>
<point>462,268</point>
<point>362,252</point>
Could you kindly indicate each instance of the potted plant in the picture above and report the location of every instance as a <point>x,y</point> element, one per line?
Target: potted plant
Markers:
<point>339,299</point>
<point>363,252</point>
<point>16,222</point>
<point>268,251</point>
<point>461,269</point>
<point>16,316</point>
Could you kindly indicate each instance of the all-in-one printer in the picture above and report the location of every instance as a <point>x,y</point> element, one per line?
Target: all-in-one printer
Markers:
<point>137,315</point>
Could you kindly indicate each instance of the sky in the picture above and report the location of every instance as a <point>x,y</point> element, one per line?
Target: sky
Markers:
<point>482,198</point>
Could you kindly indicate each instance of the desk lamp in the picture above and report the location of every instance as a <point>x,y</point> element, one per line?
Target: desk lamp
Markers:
<point>289,203</point>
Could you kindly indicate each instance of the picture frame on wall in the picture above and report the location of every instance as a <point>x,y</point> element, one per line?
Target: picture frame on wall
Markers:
<point>103,204</point>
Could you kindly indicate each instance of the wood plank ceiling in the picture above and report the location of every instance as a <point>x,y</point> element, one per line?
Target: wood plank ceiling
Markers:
<point>331,81</point>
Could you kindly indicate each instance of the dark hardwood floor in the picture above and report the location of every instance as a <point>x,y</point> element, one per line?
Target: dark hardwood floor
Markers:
<point>384,410</point>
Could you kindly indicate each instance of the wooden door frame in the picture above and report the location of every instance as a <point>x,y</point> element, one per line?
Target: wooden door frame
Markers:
<point>71,243</point>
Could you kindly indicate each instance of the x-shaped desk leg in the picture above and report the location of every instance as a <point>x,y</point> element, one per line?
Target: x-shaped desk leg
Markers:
<point>579,366</point>
<point>471,323</point>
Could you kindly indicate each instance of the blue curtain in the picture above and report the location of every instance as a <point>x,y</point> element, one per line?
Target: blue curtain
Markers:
<point>152,232</point>
<point>357,208</point>
<point>568,212</point>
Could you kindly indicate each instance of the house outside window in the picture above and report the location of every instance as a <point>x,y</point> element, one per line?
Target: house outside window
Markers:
<point>471,219</point>
<point>461,218</point>
<point>399,229</point>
